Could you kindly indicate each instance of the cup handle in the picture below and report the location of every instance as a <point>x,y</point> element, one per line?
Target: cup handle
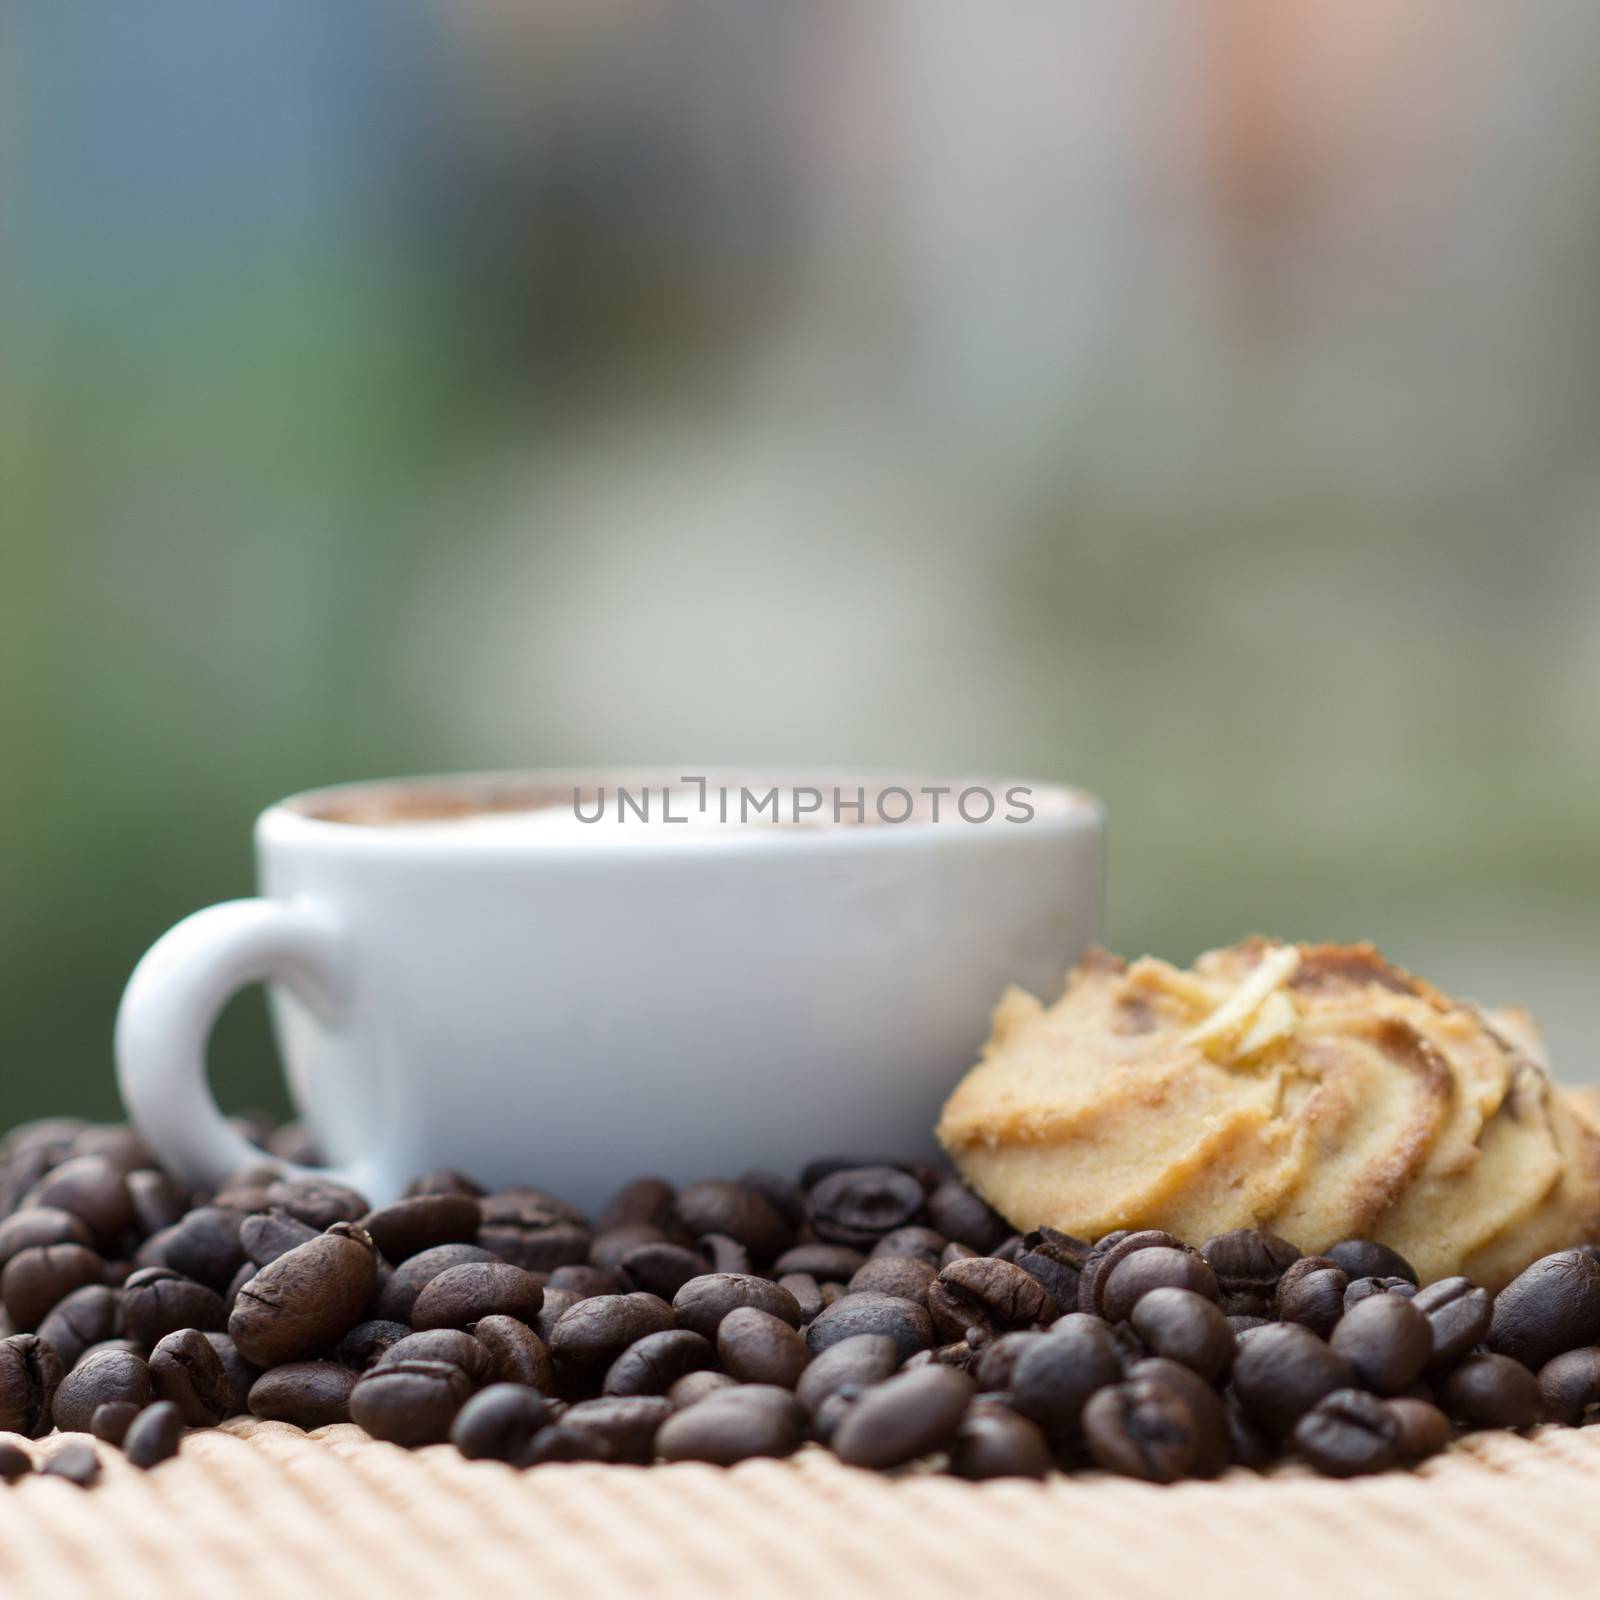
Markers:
<point>172,1002</point>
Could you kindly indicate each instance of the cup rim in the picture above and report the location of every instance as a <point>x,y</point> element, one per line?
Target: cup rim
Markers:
<point>300,819</point>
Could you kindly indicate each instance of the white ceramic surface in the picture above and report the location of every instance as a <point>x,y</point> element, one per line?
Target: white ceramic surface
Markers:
<point>528,1009</point>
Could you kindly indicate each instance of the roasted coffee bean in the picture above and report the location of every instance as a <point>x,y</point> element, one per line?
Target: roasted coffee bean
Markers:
<point>998,1444</point>
<point>959,1355</point>
<point>308,1394</point>
<point>94,1190</point>
<point>317,1202</point>
<point>1142,1429</point>
<point>367,1341</point>
<point>1212,1452</point>
<point>153,1436</point>
<point>661,1267</point>
<point>109,1424</point>
<point>1249,1261</point>
<point>647,1199</point>
<point>459,1348</point>
<point>859,1205</point>
<point>807,1294</point>
<point>757,1347</point>
<point>245,1192</point>
<point>187,1371</point>
<point>97,1379</point>
<point>1424,1428</point>
<point>557,1302</point>
<point>121,1346</point>
<point>533,1230</point>
<point>421,1222</point>
<point>230,1296</point>
<point>39,1277</point>
<point>38,1226</point>
<point>1348,1432</point>
<point>608,1250</point>
<point>1365,1258</point>
<point>241,1374</point>
<point>994,1362</point>
<point>787,1196</point>
<point>733,1424</point>
<point>961,1216</point>
<point>826,1418</point>
<point>1129,1345</point>
<point>305,1301</point>
<point>30,1371</point>
<point>1238,1326</point>
<point>653,1364</point>
<point>1311,1293</point>
<point>265,1235</point>
<point>1246,1305</point>
<point>499,1423</point>
<point>1109,1252</point>
<point>1569,1385</point>
<point>1487,1391</point>
<point>547,1249</point>
<point>410,1403</point>
<point>77,1462</point>
<point>1058,1278</point>
<point>1054,1375</point>
<point>1360,1289</point>
<point>444,1180</point>
<point>915,1242</point>
<point>904,1321</point>
<point>584,1281</point>
<point>820,1167</point>
<point>80,1319</point>
<point>519,1354</point>
<point>157,1301</point>
<point>596,1331</point>
<point>1282,1370</point>
<point>1553,1306</point>
<point>464,1294</point>
<point>617,1428</point>
<point>735,1209</point>
<point>853,1363</point>
<point>989,1294</point>
<point>904,1276</point>
<point>157,1201</point>
<point>1185,1327</point>
<point>703,1302</point>
<point>399,1294</point>
<point>1249,1444</point>
<point>1459,1314</point>
<point>206,1245</point>
<point>1159,1267</point>
<point>1386,1340</point>
<point>695,1386</point>
<point>724,1254</point>
<point>15,1462</point>
<point>903,1418</point>
<point>835,1263</point>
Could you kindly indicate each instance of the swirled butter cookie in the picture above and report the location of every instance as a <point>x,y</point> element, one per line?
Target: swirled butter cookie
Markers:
<point>1316,1090</point>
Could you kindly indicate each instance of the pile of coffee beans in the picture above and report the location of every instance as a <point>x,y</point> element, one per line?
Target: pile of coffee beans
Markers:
<point>876,1307</point>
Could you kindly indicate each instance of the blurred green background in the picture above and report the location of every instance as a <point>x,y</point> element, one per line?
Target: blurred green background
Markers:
<point>1194,401</point>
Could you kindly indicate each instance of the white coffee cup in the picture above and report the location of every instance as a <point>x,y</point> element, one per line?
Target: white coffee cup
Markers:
<point>463,973</point>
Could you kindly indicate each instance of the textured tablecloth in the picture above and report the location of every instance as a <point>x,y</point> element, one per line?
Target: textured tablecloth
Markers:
<point>263,1509</point>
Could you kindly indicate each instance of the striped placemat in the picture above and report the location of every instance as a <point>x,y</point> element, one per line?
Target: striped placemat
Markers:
<point>261,1509</point>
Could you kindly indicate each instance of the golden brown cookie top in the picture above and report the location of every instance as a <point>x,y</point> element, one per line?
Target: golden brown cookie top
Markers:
<point>1318,1090</point>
